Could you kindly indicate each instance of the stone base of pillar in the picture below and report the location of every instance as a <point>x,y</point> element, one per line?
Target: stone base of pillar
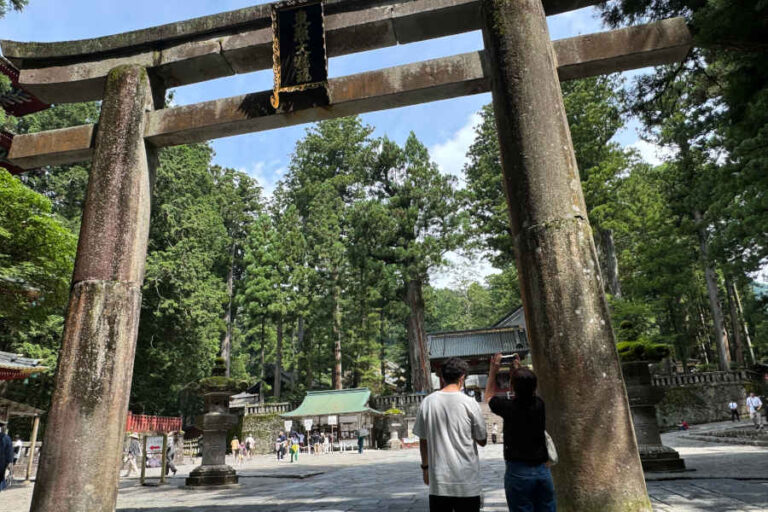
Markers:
<point>212,476</point>
<point>660,458</point>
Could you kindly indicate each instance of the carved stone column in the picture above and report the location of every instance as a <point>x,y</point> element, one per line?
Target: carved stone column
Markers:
<point>84,434</point>
<point>572,344</point>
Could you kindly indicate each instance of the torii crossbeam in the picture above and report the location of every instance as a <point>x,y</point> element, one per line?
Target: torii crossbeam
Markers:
<point>571,340</point>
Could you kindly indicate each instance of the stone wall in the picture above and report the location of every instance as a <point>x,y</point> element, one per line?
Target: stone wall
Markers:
<point>699,403</point>
<point>264,429</point>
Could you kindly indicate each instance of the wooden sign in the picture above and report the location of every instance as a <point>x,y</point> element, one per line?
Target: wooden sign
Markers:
<point>299,60</point>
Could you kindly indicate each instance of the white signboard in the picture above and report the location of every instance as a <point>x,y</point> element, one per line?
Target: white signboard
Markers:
<point>288,424</point>
<point>154,444</point>
<point>308,425</point>
<point>348,419</point>
<point>332,420</point>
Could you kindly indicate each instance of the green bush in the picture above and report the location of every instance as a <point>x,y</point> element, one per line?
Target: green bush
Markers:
<point>642,351</point>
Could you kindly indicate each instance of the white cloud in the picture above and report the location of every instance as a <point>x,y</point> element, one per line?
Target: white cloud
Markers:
<point>652,153</point>
<point>267,174</point>
<point>451,155</point>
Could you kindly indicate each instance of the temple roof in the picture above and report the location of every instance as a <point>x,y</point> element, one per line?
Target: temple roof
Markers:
<point>478,342</point>
<point>506,336</point>
<point>332,402</point>
<point>15,366</point>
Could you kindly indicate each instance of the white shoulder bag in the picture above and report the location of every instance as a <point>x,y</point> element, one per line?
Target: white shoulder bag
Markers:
<point>551,450</point>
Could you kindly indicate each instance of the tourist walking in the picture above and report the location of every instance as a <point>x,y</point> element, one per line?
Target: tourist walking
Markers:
<point>527,481</point>
<point>294,449</point>
<point>326,440</point>
<point>134,453</point>
<point>733,406</point>
<point>250,446</point>
<point>754,404</point>
<point>450,425</point>
<point>17,447</point>
<point>235,446</point>
<point>361,439</point>
<point>6,455</point>
<point>170,455</point>
<point>280,446</point>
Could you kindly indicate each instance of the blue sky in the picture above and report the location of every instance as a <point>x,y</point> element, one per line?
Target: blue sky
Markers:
<point>445,126</point>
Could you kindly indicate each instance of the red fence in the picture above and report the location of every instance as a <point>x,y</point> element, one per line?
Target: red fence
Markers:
<point>145,423</point>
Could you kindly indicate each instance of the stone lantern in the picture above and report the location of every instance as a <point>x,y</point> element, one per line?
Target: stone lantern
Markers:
<point>643,397</point>
<point>215,424</point>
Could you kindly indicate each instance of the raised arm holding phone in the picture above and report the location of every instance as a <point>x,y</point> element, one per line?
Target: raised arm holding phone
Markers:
<point>527,481</point>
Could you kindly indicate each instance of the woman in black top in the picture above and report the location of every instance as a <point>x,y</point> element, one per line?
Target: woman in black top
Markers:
<point>527,481</point>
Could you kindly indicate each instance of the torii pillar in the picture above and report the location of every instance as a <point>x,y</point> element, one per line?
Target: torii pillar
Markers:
<point>572,344</point>
<point>81,453</point>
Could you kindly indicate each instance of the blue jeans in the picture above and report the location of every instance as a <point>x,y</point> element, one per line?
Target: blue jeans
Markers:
<point>529,488</point>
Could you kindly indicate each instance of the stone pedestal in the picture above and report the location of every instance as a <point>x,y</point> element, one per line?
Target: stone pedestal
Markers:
<point>214,423</point>
<point>394,443</point>
<point>643,397</point>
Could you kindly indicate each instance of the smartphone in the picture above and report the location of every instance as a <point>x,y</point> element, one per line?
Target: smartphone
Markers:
<point>505,360</point>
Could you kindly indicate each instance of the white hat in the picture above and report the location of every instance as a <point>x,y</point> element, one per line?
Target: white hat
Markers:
<point>134,435</point>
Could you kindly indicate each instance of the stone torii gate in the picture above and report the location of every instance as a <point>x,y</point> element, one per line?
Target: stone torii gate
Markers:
<point>566,312</point>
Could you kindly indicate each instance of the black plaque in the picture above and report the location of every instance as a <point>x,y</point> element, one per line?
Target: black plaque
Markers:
<point>300,62</point>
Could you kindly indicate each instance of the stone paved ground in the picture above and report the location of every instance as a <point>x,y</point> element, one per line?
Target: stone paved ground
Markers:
<point>727,478</point>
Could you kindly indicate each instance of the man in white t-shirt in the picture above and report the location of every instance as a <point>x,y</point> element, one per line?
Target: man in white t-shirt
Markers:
<point>733,406</point>
<point>754,404</point>
<point>450,425</point>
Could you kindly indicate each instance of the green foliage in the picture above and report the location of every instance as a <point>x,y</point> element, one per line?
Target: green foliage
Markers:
<point>642,351</point>
<point>593,107</point>
<point>184,293</point>
<point>393,411</point>
<point>472,305</point>
<point>36,256</point>
<point>7,5</point>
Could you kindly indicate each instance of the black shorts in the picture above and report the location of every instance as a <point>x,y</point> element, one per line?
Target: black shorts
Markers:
<point>454,504</point>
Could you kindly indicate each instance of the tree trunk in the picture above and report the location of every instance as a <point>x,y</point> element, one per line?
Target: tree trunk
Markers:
<point>609,264</point>
<point>418,352</point>
<point>746,326</point>
<point>226,343</point>
<point>292,345</point>
<point>278,360</point>
<point>261,363</point>
<point>382,351</point>
<point>738,347</point>
<point>721,337</point>
<point>337,375</point>
<point>704,334</point>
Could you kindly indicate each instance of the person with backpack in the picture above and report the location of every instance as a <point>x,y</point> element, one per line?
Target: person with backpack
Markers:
<point>527,481</point>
